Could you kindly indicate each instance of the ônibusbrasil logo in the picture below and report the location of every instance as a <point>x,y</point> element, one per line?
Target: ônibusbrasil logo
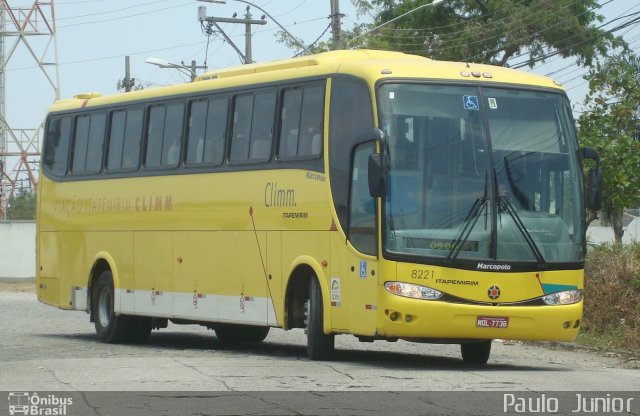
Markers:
<point>32,404</point>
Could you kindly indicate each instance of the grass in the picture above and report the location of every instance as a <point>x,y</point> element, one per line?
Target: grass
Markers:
<point>612,298</point>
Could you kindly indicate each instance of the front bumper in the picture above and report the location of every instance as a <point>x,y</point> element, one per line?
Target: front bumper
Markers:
<point>400,317</point>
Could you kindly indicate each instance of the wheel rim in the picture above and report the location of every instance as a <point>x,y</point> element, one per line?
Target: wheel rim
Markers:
<point>104,308</point>
<point>306,315</point>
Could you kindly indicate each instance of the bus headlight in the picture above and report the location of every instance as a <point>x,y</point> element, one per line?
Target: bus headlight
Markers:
<point>409,290</point>
<point>567,297</point>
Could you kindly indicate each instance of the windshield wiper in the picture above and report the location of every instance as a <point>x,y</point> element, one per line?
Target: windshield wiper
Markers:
<point>469,223</point>
<point>504,205</point>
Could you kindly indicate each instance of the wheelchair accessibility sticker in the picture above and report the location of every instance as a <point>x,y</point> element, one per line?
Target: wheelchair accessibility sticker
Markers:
<point>471,102</point>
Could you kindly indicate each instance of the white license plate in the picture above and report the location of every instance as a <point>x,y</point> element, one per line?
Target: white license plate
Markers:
<point>492,322</point>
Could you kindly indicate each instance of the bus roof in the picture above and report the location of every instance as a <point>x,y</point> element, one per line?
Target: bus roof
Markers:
<point>371,65</point>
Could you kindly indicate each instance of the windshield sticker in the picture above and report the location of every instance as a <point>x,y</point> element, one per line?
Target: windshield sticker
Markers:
<point>493,104</point>
<point>392,95</point>
<point>471,102</point>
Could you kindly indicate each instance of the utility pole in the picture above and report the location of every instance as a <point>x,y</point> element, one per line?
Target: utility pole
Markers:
<point>247,21</point>
<point>127,83</point>
<point>193,68</point>
<point>247,35</point>
<point>336,25</point>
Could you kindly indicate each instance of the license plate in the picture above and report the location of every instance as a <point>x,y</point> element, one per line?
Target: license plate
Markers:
<point>492,322</point>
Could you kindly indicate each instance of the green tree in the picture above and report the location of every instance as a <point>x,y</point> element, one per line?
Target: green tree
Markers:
<point>611,125</point>
<point>487,31</point>
<point>22,206</point>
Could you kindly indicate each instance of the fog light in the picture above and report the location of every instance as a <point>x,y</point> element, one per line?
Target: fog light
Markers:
<point>566,325</point>
<point>409,290</point>
<point>393,316</point>
<point>566,297</point>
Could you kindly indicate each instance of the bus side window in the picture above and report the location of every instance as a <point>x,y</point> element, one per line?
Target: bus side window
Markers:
<point>264,107</point>
<point>88,144</point>
<point>350,120</point>
<point>290,122</point>
<point>80,143</point>
<point>116,140</point>
<point>301,122</point>
<point>124,140</point>
<point>241,130</point>
<point>362,208</point>
<point>252,130</point>
<point>207,123</point>
<point>164,135</point>
<point>213,152</point>
<point>311,122</point>
<point>95,147</point>
<point>57,146</point>
<point>195,136</point>
<point>172,135</point>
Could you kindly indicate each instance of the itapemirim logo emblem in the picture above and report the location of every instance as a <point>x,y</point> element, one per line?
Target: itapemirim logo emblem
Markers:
<point>31,404</point>
<point>493,292</point>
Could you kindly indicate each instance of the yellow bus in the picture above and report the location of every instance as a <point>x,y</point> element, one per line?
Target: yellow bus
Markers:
<point>371,193</point>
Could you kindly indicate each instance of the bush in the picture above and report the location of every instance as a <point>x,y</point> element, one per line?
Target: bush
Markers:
<point>612,296</point>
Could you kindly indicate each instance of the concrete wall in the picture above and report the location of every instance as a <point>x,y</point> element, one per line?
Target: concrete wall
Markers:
<point>18,245</point>
<point>599,235</point>
<point>17,249</point>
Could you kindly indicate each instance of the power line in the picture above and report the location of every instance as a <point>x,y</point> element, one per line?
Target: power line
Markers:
<point>621,16</point>
<point>124,17</point>
<point>590,39</point>
<point>103,58</point>
<point>540,32</point>
<point>290,11</point>
<point>499,32</point>
<point>64,3</point>
<point>111,11</point>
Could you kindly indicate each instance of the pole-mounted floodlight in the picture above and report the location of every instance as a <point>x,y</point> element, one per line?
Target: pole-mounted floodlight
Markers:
<point>188,70</point>
<point>159,62</point>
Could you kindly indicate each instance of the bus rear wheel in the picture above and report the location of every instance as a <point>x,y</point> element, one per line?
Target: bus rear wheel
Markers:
<point>476,353</point>
<point>241,334</point>
<point>320,346</point>
<point>109,327</point>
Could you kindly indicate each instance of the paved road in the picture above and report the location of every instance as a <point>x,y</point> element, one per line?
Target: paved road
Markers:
<point>43,348</point>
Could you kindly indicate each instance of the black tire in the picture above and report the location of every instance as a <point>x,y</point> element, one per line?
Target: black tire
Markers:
<point>241,334</point>
<point>476,353</point>
<point>320,346</point>
<point>140,329</point>
<point>109,327</point>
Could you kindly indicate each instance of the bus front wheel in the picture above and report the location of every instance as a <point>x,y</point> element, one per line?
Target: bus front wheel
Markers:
<point>476,353</point>
<point>109,327</point>
<point>320,346</point>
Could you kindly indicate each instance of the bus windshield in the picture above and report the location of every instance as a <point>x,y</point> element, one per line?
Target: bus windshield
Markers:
<point>481,173</point>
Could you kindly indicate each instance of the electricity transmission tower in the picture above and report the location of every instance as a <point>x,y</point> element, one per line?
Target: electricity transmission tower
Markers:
<point>29,31</point>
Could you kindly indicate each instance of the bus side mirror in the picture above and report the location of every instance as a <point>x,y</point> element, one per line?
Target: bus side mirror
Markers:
<point>378,166</point>
<point>594,184</point>
<point>377,176</point>
<point>594,189</point>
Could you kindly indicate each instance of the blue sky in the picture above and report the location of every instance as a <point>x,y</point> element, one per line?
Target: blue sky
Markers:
<point>93,36</point>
